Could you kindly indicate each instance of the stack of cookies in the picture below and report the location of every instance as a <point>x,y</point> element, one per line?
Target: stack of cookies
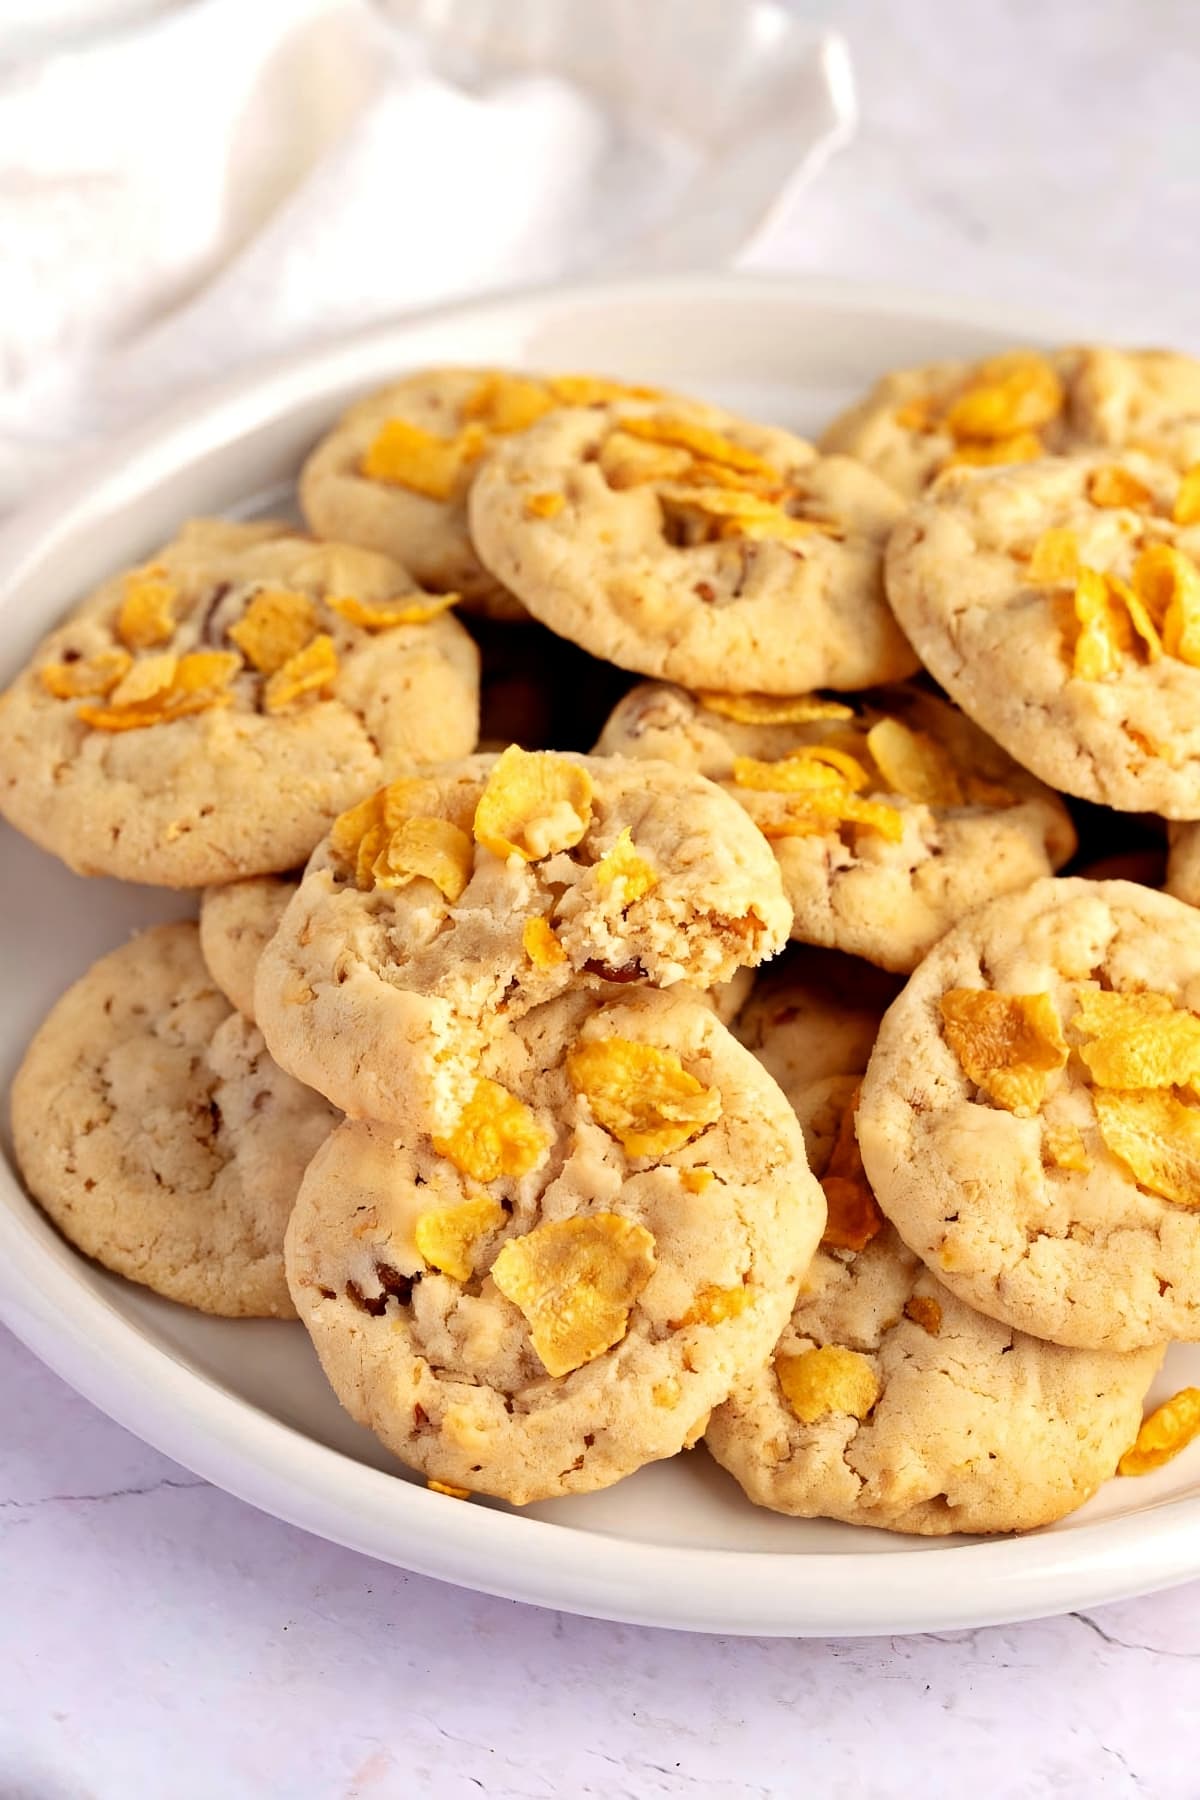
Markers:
<point>466,1063</point>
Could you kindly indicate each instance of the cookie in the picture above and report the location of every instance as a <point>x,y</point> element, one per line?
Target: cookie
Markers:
<point>887,1401</point>
<point>696,547</point>
<point>1028,1121</point>
<point>559,1291</point>
<point>154,1129</point>
<point>153,734</point>
<point>237,921</point>
<point>889,816</point>
<point>1021,405</point>
<point>1059,605</point>
<point>437,913</point>
<point>395,471</point>
<point>1183,863</point>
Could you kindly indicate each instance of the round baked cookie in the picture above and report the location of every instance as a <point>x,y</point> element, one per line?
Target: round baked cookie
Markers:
<point>1183,863</point>
<point>694,546</point>
<point>151,1125</point>
<point>438,912</point>
<point>1028,1121</point>
<point>395,471</point>
<point>917,816</point>
<point>888,1401</point>
<point>561,1289</point>
<point>207,715</point>
<point>1059,620</point>
<point>237,921</point>
<point>1020,405</point>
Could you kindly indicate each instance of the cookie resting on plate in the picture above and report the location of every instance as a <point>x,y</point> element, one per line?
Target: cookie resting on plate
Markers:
<point>206,716</point>
<point>560,1289</point>
<point>237,922</point>
<point>156,1132</point>
<point>888,1401</point>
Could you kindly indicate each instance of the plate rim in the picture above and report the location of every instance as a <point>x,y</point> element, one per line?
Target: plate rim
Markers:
<point>228,1440</point>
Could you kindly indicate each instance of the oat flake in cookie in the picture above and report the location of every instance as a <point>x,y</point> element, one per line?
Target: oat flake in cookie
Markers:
<point>447,905</point>
<point>888,1401</point>
<point>205,716</point>
<point>683,543</point>
<point>1059,605</point>
<point>560,1290</point>
<point>1030,1119</point>
<point>154,1129</point>
<point>890,816</point>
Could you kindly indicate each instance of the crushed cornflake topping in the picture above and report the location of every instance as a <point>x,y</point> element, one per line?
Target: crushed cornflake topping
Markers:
<point>1063,1148</point>
<point>1138,1040</point>
<point>545,505</point>
<point>1186,510</point>
<point>534,803</point>
<point>540,944</point>
<point>1008,1044</point>
<point>595,390</point>
<point>810,766</point>
<point>820,783</point>
<point>409,609</point>
<point>914,764</point>
<point>350,827</point>
<point>827,1380</point>
<point>402,455</point>
<point>1018,391</point>
<point>700,441</point>
<point>276,626</point>
<point>667,1393</point>
<point>924,1311</point>
<point>713,1305</point>
<point>1169,1429</point>
<point>361,837</point>
<point>444,1487</point>
<point>1055,559</point>
<point>98,674</point>
<point>1156,1137</point>
<point>696,1181</point>
<point>309,671</point>
<point>147,615</point>
<point>735,513</point>
<point>1112,620</point>
<point>495,1134</point>
<point>504,403</point>
<point>1168,584</point>
<point>1114,486</point>
<point>627,462</point>
<point>641,1095</point>
<point>1021,447</point>
<point>623,864</point>
<point>448,1236</point>
<point>576,1281</point>
<point>825,810</point>
<point>854,1215</point>
<point>773,709</point>
<point>160,689</point>
<point>430,849</point>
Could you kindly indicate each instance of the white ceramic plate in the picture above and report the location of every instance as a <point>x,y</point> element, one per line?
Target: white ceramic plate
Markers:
<point>244,1404</point>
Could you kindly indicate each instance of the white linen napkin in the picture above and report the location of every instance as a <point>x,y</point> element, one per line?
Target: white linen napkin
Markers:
<point>233,178</point>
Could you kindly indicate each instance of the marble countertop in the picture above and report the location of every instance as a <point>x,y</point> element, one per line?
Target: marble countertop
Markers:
<point>159,1638</point>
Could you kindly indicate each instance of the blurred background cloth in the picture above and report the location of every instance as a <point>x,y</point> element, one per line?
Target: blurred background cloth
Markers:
<point>217,181</point>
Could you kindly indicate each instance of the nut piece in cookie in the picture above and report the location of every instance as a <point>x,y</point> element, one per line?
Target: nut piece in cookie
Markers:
<point>237,922</point>
<point>444,907</point>
<point>890,815</point>
<point>1059,605</point>
<point>1029,1119</point>
<point>690,545</point>
<point>154,1129</point>
<point>559,1289</point>
<point>888,1401</point>
<point>207,715</point>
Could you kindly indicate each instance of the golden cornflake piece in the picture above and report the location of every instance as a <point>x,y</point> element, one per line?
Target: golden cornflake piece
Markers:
<point>1105,629</point>
<point>924,1311</point>
<point>831,1379</point>
<point>1168,584</point>
<point>402,455</point>
<point>444,1487</point>
<point>540,944</point>
<point>811,766</point>
<point>1186,510</point>
<point>641,1095</point>
<point>98,674</point>
<point>576,1281</point>
<point>1008,1044</point>
<point>351,827</point>
<point>163,688</point>
<point>310,670</point>
<point>147,615</point>
<point>1063,1148</point>
<point>738,512</point>
<point>1114,486</point>
<point>534,804</point>
<point>667,1393</point>
<point>275,626</point>
<point>370,847</point>
<point>1139,616</point>
<point>546,505</point>
<point>148,678</point>
<point>1016,392</point>
<point>696,1181</point>
<point>448,1236</point>
<point>1138,1040</point>
<point>622,863</point>
<point>594,390</point>
<point>626,461</point>
<point>1169,1429</point>
<point>827,809</point>
<point>713,1305</point>
<point>914,764</point>
<point>1021,447</point>
<point>505,403</point>
<point>773,709</point>
<point>1055,558</point>
<point>700,441</point>
<point>1156,1137</point>
<point>417,797</point>
<point>430,849</point>
<point>409,609</point>
<point>854,1215</point>
<point>917,415</point>
<point>495,1134</point>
